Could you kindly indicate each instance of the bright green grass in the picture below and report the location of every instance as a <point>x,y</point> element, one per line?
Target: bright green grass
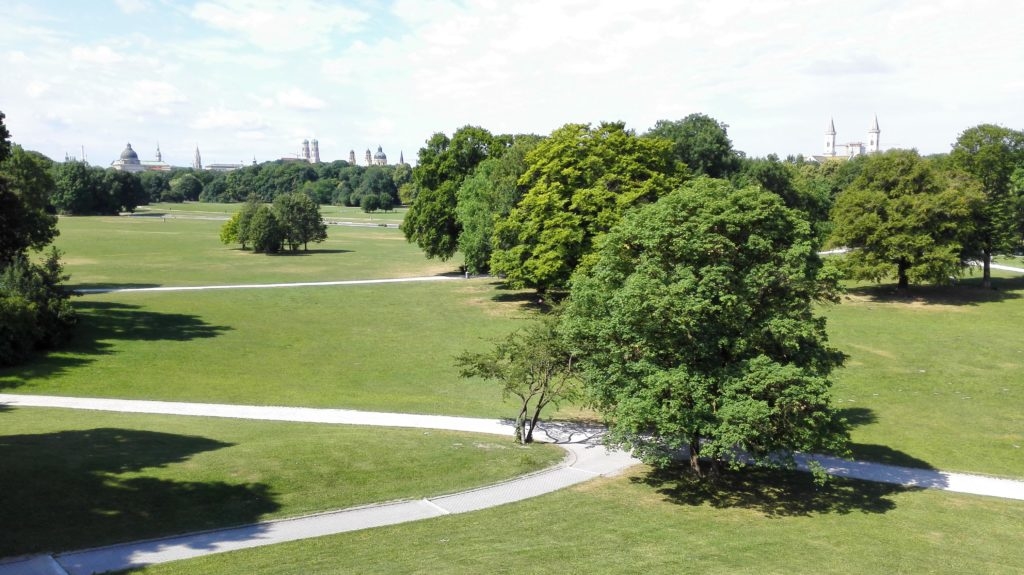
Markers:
<point>626,525</point>
<point>123,251</point>
<point>383,347</point>
<point>934,380</point>
<point>223,211</point>
<point>75,479</point>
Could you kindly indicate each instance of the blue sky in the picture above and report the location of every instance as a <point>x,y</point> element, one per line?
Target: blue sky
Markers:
<point>248,78</point>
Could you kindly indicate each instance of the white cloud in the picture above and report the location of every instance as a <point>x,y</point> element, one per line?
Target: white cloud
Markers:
<point>132,6</point>
<point>299,100</point>
<point>280,25</point>
<point>222,118</point>
<point>96,55</point>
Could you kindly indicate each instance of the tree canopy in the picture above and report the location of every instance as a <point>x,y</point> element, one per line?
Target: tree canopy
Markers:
<point>991,153</point>
<point>700,142</point>
<point>579,182</point>
<point>903,218</point>
<point>696,329</point>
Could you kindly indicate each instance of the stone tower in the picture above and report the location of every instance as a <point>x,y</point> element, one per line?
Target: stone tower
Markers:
<point>369,157</point>
<point>316,152</point>
<point>197,162</point>
<point>352,157</point>
<point>830,138</point>
<point>873,137</point>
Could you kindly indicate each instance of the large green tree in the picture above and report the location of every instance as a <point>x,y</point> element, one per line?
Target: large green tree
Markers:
<point>300,220</point>
<point>579,182</point>
<point>700,142</point>
<point>486,196</point>
<point>25,188</point>
<point>80,190</point>
<point>697,331</point>
<point>902,217</point>
<point>431,222</point>
<point>991,153</point>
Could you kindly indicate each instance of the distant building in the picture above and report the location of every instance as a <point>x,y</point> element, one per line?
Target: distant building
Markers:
<point>129,162</point>
<point>850,149</point>
<point>371,159</point>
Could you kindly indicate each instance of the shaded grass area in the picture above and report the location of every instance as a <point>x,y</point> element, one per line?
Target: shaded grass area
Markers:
<point>934,376</point>
<point>74,479</point>
<point>225,210</point>
<point>376,347</point>
<point>147,251</point>
<point>760,524</point>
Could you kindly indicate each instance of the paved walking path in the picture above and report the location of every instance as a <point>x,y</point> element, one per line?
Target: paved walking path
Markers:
<point>586,459</point>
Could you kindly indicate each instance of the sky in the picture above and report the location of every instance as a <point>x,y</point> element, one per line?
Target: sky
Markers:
<point>251,79</point>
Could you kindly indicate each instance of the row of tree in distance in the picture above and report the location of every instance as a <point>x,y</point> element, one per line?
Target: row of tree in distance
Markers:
<point>531,209</point>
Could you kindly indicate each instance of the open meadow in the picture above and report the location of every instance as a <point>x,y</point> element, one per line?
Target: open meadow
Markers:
<point>930,381</point>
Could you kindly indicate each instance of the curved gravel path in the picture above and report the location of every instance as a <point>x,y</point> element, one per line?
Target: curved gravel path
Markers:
<point>586,459</point>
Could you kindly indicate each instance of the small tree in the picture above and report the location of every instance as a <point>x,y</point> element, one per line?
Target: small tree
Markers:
<point>265,231</point>
<point>533,364</point>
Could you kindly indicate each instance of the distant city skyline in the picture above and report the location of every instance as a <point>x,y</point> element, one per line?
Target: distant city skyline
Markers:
<point>245,78</point>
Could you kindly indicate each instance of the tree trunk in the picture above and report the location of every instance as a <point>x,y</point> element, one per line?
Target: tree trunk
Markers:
<point>695,458</point>
<point>903,282</point>
<point>520,423</point>
<point>986,267</point>
<point>533,420</point>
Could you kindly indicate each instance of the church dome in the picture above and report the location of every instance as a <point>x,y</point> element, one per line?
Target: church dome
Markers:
<point>380,154</point>
<point>129,156</point>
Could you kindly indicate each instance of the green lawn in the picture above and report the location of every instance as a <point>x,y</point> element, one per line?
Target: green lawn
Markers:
<point>383,347</point>
<point>934,380</point>
<point>330,213</point>
<point>644,525</point>
<point>123,251</point>
<point>75,479</point>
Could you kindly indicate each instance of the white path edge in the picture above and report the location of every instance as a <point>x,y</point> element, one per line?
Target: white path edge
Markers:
<point>585,460</point>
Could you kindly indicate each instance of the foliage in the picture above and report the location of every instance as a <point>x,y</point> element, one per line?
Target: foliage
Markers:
<point>990,154</point>
<point>486,196</point>
<point>579,181</point>
<point>300,220</point>
<point>80,190</point>
<point>534,364</point>
<point>187,186</point>
<point>34,309</point>
<point>900,215</point>
<point>796,190</point>
<point>25,187</point>
<point>126,189</point>
<point>700,142</point>
<point>229,231</point>
<point>265,231</point>
<point>696,329</point>
<point>444,163</point>
<point>155,184</point>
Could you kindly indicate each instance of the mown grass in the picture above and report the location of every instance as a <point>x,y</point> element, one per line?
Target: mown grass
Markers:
<point>933,377</point>
<point>221,210</point>
<point>75,479</point>
<point>123,251</point>
<point>764,524</point>
<point>387,347</point>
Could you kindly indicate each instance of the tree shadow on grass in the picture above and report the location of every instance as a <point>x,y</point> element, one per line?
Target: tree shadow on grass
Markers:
<point>776,493</point>
<point>966,292</point>
<point>87,288</point>
<point>309,252</point>
<point>101,323</point>
<point>83,488</point>
<point>858,416</point>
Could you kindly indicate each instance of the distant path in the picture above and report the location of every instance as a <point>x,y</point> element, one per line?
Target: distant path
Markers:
<point>585,460</point>
<point>275,285</point>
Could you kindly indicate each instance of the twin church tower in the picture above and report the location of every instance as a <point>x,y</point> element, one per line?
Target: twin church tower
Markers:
<point>851,149</point>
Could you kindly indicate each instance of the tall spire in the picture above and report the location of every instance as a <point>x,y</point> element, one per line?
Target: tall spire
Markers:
<point>401,157</point>
<point>197,163</point>
<point>830,138</point>
<point>159,158</point>
<point>874,141</point>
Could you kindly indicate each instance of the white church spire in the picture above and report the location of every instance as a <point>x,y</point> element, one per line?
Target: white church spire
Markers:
<point>873,136</point>
<point>830,138</point>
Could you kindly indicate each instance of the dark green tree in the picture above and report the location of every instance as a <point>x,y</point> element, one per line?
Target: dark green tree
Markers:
<point>900,216</point>
<point>991,153</point>
<point>696,329</point>
<point>187,186</point>
<point>80,190</point>
<point>700,142</point>
<point>580,180</point>
<point>126,189</point>
<point>300,220</point>
<point>25,188</point>
<point>431,221</point>
<point>265,231</point>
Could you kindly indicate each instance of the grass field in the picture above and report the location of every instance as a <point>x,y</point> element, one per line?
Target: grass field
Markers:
<point>931,381</point>
<point>75,479</point>
<point>214,210</point>
<point>642,524</point>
